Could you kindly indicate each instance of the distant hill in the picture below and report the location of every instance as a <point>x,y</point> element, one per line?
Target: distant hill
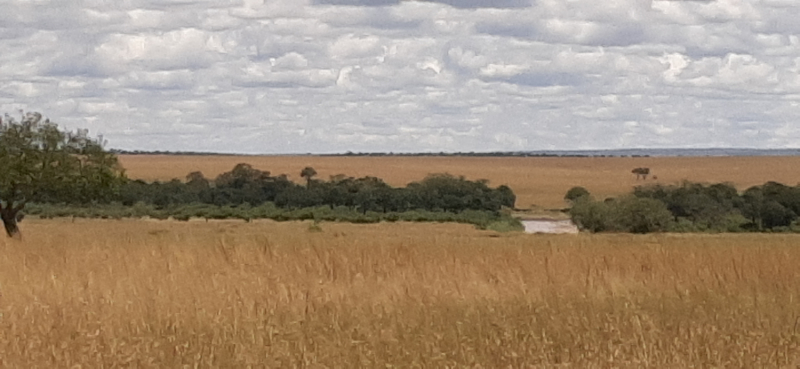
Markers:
<point>641,152</point>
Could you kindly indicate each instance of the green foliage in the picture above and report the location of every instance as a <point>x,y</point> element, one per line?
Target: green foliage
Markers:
<point>308,173</point>
<point>592,216</point>
<point>640,215</point>
<point>506,225</point>
<point>41,163</point>
<point>576,193</point>
<point>628,214</point>
<point>706,206</point>
<point>770,206</point>
<point>695,207</point>
<point>247,185</point>
<point>481,219</point>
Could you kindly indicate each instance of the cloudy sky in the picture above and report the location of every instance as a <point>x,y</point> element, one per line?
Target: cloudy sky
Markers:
<point>321,76</point>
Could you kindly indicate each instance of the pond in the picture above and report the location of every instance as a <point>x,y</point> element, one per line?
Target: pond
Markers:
<point>549,226</point>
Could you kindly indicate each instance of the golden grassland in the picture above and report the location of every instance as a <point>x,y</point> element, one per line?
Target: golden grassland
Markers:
<point>536,181</point>
<point>264,294</point>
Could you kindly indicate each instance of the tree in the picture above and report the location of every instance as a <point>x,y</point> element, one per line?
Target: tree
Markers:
<point>753,206</point>
<point>197,182</point>
<point>40,163</point>
<point>628,214</point>
<point>641,172</point>
<point>242,175</point>
<point>506,196</point>
<point>590,215</point>
<point>762,208</point>
<point>576,193</point>
<point>308,173</point>
<point>640,215</point>
<point>245,184</point>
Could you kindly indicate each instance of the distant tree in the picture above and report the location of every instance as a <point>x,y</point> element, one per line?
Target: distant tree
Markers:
<point>576,193</point>
<point>241,176</point>
<point>753,206</point>
<point>592,216</point>
<point>197,186</point>
<point>628,214</point>
<point>788,197</point>
<point>197,182</point>
<point>40,163</point>
<point>135,191</point>
<point>506,196</point>
<point>768,206</point>
<point>776,215</point>
<point>308,173</point>
<point>641,172</point>
<point>247,184</point>
<point>638,215</point>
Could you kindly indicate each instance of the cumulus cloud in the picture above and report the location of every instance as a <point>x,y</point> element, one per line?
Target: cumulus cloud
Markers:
<point>268,76</point>
<point>485,3</point>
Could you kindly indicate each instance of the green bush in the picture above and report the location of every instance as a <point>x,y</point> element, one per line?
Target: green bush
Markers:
<point>576,193</point>
<point>628,214</point>
<point>592,216</point>
<point>482,219</point>
<point>641,215</point>
<point>506,225</point>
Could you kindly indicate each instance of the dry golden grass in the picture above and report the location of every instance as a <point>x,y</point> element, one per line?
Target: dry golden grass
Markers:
<point>264,294</point>
<point>539,181</point>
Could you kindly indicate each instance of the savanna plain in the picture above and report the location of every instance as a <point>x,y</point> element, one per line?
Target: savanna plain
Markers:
<point>141,293</point>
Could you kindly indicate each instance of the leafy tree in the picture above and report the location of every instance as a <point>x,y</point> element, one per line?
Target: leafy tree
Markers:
<point>705,206</point>
<point>240,177</point>
<point>776,215</point>
<point>763,205</point>
<point>369,194</point>
<point>247,184</point>
<point>40,163</point>
<point>196,182</point>
<point>446,192</point>
<point>753,206</point>
<point>641,172</point>
<point>589,215</point>
<point>724,193</point>
<point>788,197</point>
<point>506,196</point>
<point>576,193</point>
<point>308,173</point>
<point>640,215</point>
<point>135,191</point>
<point>198,187</point>
<point>628,214</point>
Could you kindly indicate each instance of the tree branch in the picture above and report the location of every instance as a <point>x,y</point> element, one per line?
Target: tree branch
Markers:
<point>18,207</point>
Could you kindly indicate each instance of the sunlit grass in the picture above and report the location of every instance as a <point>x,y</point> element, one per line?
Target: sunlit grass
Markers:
<point>233,294</point>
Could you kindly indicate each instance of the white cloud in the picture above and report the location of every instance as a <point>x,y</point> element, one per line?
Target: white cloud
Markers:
<point>444,75</point>
<point>291,60</point>
<point>184,48</point>
<point>352,46</point>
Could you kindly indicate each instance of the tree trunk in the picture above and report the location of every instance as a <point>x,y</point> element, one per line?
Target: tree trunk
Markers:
<point>9,216</point>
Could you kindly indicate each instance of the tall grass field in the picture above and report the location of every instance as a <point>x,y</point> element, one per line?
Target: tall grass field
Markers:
<point>163,294</point>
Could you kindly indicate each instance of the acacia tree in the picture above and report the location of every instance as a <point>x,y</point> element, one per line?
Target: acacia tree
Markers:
<point>40,163</point>
<point>308,173</point>
<point>641,172</point>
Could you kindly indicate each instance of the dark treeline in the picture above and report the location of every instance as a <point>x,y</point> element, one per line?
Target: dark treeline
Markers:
<point>502,154</point>
<point>247,185</point>
<point>690,207</point>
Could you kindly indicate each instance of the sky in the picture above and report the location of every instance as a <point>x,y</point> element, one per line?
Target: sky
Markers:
<point>328,76</point>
